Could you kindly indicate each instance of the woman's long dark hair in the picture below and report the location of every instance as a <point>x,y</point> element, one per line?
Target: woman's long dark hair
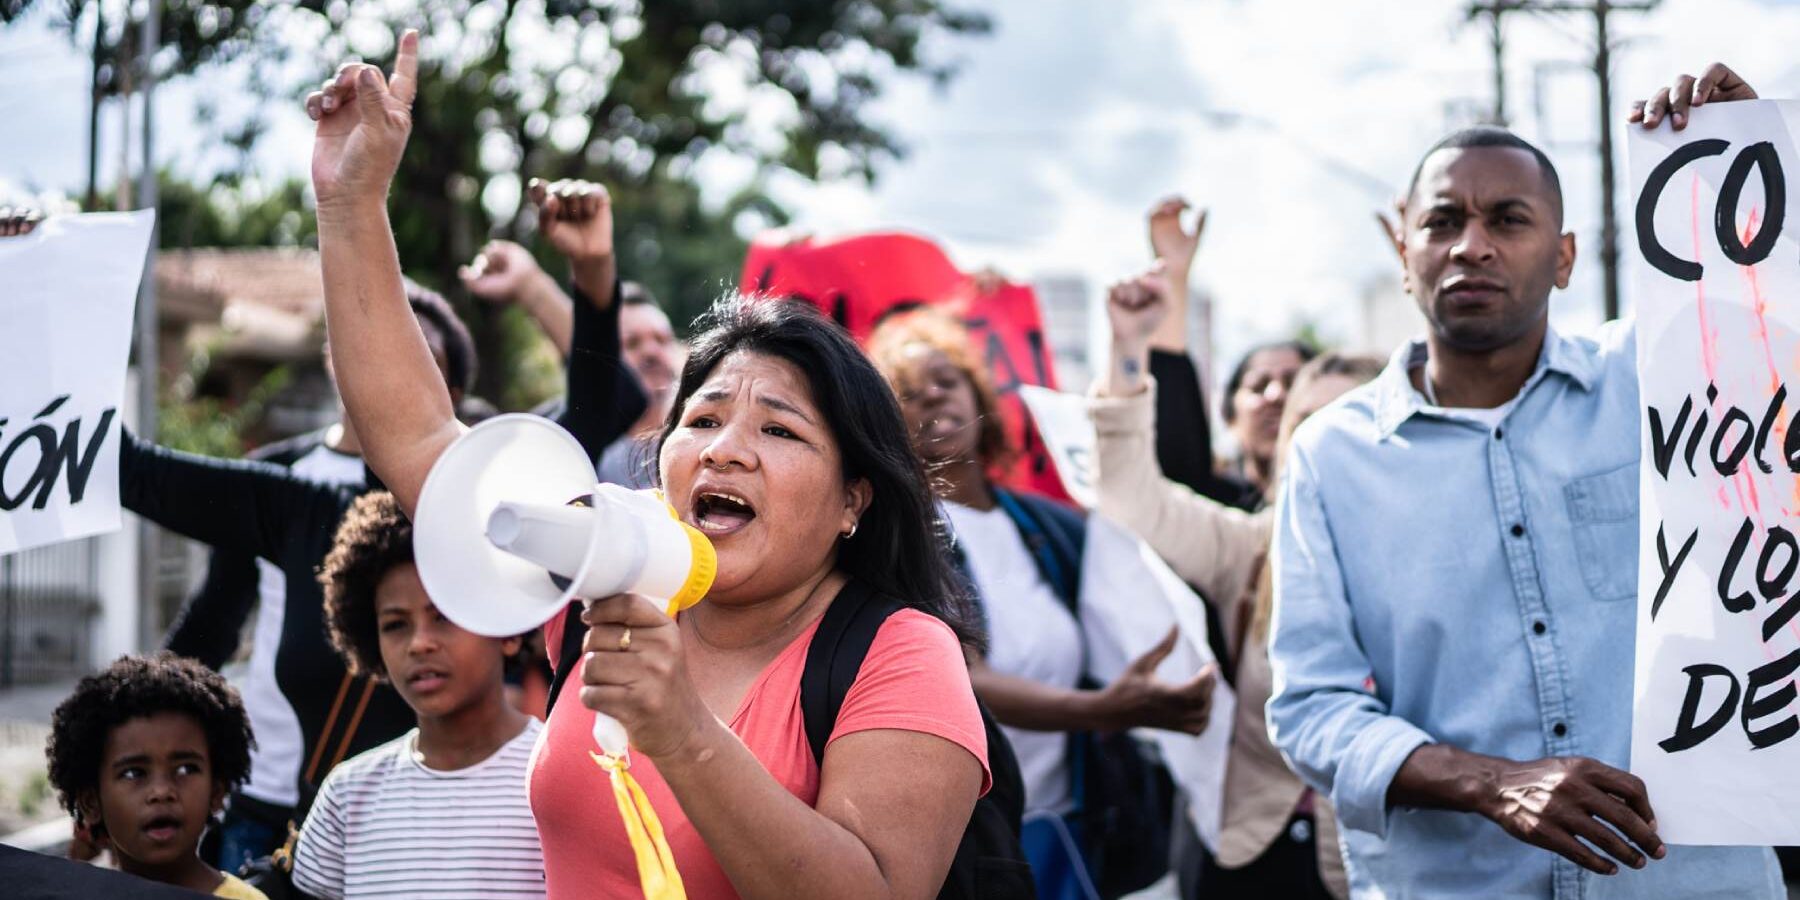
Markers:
<point>899,548</point>
<point>1302,349</point>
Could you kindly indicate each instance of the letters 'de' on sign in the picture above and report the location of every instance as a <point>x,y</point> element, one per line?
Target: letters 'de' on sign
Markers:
<point>1716,719</point>
<point>67,291</point>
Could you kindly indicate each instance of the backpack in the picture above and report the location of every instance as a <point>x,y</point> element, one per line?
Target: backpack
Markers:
<point>989,862</point>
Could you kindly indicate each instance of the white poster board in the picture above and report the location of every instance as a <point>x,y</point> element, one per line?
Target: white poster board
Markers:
<point>1129,600</point>
<point>67,293</point>
<point>1062,421</point>
<point>1715,733</point>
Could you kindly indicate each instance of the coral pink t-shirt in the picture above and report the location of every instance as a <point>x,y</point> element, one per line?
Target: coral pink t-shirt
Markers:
<point>913,679</point>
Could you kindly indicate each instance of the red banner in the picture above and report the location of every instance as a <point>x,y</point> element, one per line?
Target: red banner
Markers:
<point>856,280</point>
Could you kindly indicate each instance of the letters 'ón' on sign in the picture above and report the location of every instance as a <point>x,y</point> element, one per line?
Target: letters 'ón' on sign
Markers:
<point>1716,719</point>
<point>67,291</point>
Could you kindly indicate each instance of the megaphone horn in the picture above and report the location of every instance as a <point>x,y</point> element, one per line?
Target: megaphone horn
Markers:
<point>501,549</point>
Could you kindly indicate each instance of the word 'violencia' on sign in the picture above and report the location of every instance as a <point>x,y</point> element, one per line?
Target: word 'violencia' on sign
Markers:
<point>1737,437</point>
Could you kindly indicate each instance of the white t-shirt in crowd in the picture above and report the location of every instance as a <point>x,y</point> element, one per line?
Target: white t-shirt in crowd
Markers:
<point>1030,635</point>
<point>1486,418</point>
<point>385,825</point>
<point>276,758</point>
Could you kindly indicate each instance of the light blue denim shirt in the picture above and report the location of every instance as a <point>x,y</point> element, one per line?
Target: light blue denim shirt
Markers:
<point>1443,580</point>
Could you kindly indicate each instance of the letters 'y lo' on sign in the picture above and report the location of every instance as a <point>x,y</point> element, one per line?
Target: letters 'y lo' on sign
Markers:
<point>67,292</point>
<point>1716,718</point>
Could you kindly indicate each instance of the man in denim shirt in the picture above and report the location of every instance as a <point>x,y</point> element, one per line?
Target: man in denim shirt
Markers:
<point>1456,555</point>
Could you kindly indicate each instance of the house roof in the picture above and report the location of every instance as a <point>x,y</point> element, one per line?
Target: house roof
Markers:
<point>269,302</point>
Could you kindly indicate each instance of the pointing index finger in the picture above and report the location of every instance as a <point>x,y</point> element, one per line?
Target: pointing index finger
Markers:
<point>405,83</point>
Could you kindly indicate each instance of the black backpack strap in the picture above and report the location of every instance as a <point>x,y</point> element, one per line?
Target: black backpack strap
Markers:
<point>567,656</point>
<point>835,655</point>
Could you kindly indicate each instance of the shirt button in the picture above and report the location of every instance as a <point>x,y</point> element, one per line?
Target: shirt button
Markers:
<point>1518,530</point>
<point>1539,627</point>
<point>1499,434</point>
<point>1559,729</point>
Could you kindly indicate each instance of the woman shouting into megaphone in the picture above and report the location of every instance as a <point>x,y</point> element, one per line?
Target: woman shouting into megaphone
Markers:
<point>785,449</point>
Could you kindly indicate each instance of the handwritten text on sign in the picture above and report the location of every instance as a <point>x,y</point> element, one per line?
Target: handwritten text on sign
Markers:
<point>1715,716</point>
<point>67,291</point>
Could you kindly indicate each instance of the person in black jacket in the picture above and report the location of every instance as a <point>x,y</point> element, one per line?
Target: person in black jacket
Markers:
<point>1184,444</point>
<point>261,510</point>
<point>209,625</point>
<point>1022,556</point>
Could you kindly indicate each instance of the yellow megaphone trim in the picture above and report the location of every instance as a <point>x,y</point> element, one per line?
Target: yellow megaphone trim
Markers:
<point>703,568</point>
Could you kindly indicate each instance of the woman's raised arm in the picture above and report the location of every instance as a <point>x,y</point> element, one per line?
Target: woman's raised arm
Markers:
<point>392,391</point>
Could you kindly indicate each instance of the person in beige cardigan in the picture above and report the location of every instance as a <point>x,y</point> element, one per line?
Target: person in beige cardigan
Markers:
<point>1221,551</point>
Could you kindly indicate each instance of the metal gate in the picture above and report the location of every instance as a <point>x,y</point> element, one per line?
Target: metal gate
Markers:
<point>48,598</point>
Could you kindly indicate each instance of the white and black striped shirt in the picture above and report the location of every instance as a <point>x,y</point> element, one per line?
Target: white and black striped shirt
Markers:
<point>384,825</point>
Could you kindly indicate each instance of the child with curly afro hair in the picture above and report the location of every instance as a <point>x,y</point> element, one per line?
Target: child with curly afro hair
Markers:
<point>143,754</point>
<point>441,811</point>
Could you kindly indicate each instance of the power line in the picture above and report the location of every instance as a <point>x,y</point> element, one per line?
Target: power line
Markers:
<point>1600,10</point>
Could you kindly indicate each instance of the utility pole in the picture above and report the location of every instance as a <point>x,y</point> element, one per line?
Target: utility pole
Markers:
<point>1495,10</point>
<point>1602,67</point>
<point>92,201</point>
<point>149,619</point>
<point>1497,39</point>
<point>1609,221</point>
<point>147,199</point>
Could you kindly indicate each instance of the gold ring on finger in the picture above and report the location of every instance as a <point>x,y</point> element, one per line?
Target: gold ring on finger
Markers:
<point>625,639</point>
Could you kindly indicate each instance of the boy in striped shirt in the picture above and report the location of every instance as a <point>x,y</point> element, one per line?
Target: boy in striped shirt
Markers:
<point>440,811</point>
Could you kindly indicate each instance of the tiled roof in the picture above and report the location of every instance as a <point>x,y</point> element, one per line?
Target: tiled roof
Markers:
<point>198,285</point>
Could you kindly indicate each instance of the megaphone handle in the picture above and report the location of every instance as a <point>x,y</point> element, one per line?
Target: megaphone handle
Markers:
<point>609,733</point>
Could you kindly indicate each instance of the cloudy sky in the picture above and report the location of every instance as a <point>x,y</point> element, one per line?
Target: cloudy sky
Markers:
<point>1291,121</point>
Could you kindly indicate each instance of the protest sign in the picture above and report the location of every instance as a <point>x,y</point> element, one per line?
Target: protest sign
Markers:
<point>1068,434</point>
<point>67,291</point>
<point>1718,341</point>
<point>1129,600</point>
<point>860,279</point>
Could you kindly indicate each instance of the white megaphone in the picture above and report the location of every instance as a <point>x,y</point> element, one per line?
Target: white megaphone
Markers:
<point>511,526</point>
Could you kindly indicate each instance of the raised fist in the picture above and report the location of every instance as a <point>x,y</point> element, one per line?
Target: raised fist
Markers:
<point>576,218</point>
<point>1135,307</point>
<point>500,273</point>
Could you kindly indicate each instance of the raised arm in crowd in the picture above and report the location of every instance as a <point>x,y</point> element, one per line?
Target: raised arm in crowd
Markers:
<point>783,440</point>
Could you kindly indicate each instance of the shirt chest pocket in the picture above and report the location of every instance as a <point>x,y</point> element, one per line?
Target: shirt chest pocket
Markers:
<point>1603,514</point>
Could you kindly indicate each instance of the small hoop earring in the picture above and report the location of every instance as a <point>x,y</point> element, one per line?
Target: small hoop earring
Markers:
<point>852,532</point>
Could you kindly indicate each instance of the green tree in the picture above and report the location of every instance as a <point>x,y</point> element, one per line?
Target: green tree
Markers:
<point>193,35</point>
<point>231,212</point>
<point>642,95</point>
